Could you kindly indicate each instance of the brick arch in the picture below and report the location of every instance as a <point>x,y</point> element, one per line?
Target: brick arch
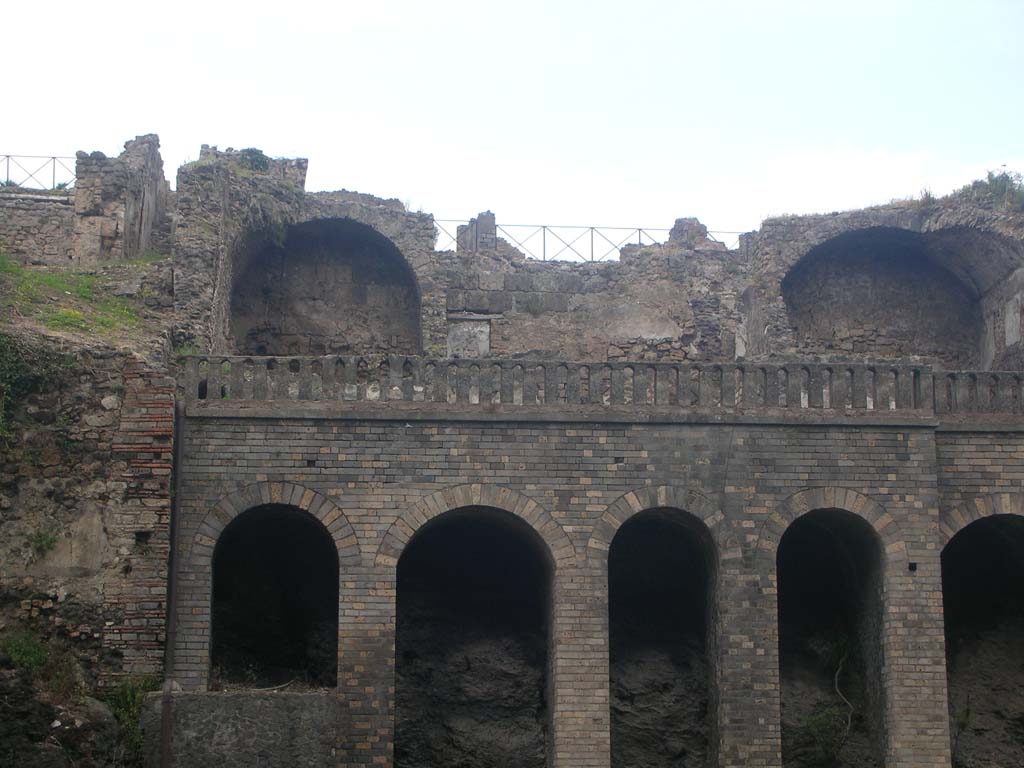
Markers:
<point>231,505</point>
<point>476,495</point>
<point>636,501</point>
<point>959,517</point>
<point>832,497</point>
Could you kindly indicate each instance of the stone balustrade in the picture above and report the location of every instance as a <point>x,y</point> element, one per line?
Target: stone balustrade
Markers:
<point>850,389</point>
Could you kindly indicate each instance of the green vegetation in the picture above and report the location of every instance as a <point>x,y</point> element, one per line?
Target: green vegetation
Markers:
<point>254,159</point>
<point>187,349</point>
<point>62,299</point>
<point>25,648</point>
<point>60,678</point>
<point>25,369</point>
<point>52,664</point>
<point>42,541</point>
<point>125,701</point>
<point>56,674</point>
<point>149,257</point>
<point>1004,187</point>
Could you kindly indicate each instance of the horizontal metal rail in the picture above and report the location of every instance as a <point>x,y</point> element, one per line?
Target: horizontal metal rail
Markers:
<point>567,242</point>
<point>38,171</point>
<point>562,242</point>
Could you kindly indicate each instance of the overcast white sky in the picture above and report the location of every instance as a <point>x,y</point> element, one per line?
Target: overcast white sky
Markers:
<point>556,112</point>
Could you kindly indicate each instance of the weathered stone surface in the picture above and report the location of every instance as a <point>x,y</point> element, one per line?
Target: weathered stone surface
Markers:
<point>84,525</point>
<point>242,730</point>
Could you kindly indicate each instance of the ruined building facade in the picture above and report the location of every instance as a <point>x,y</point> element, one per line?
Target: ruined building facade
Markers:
<point>694,506</point>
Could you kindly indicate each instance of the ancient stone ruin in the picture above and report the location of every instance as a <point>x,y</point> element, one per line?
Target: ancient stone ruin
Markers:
<point>356,501</point>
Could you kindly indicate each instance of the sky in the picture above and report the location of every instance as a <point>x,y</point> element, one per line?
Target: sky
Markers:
<point>554,112</point>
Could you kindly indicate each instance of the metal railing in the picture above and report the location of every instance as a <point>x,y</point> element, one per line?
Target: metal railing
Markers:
<point>38,171</point>
<point>555,242</point>
<point>569,242</point>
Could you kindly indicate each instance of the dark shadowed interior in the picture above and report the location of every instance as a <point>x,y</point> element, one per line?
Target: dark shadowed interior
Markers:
<point>983,596</point>
<point>829,582</point>
<point>275,601</point>
<point>331,286</point>
<point>472,640</point>
<point>661,569</point>
<point>879,292</point>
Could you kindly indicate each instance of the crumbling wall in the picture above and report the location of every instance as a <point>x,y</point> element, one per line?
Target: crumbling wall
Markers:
<point>234,204</point>
<point>657,303</point>
<point>119,201</point>
<point>85,510</point>
<point>36,227</point>
<point>675,301</point>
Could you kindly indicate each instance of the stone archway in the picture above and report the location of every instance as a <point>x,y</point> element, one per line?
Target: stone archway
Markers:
<point>195,569</point>
<point>983,600</point>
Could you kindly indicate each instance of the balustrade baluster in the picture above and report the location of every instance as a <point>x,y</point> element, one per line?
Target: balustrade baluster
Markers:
<point>551,393</point>
<point>794,387</point>
<point>215,388</point>
<point>924,397</point>
<point>729,393</point>
<point>304,376</point>
<point>236,379</point>
<point>841,389</point>
<point>815,386</point>
<point>572,384</point>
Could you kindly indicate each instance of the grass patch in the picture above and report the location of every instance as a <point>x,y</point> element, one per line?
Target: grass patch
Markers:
<point>65,300</point>
<point>26,649</point>
<point>65,319</point>
<point>125,701</point>
<point>52,664</point>
<point>149,257</point>
<point>42,541</point>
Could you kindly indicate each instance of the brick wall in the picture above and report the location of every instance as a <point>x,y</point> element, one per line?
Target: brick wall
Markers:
<point>374,482</point>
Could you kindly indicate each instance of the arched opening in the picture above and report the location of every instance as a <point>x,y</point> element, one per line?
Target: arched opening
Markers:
<point>275,601</point>
<point>661,577</point>
<point>331,286</point>
<point>885,293</point>
<point>472,643</point>
<point>830,651</point>
<point>983,596</point>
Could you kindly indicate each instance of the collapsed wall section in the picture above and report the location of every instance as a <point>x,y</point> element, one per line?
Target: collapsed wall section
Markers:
<point>122,204</point>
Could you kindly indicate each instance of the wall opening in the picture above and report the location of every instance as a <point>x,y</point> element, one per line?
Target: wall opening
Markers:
<point>661,576</point>
<point>332,286</point>
<point>830,651</point>
<point>472,643</point>
<point>880,293</point>
<point>983,596</point>
<point>275,602</point>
